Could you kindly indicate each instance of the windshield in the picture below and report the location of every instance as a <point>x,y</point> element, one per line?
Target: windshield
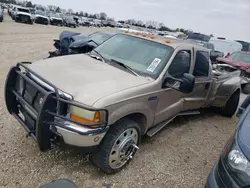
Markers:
<point>23,10</point>
<point>70,19</point>
<point>100,37</point>
<point>143,56</point>
<point>237,56</point>
<point>55,15</point>
<point>39,12</point>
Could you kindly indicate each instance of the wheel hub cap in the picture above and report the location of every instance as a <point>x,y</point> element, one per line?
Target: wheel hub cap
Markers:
<point>124,148</point>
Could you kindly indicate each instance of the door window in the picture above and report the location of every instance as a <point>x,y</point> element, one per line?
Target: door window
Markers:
<point>180,64</point>
<point>201,68</point>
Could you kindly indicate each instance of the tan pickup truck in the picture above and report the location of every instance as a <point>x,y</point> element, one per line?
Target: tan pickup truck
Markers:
<point>105,101</point>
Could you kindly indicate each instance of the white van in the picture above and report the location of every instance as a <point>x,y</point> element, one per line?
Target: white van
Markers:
<point>225,46</point>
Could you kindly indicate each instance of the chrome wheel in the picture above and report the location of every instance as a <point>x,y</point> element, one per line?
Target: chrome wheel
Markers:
<point>123,148</point>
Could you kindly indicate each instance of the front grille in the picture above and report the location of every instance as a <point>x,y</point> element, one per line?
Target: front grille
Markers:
<point>40,106</point>
<point>24,17</point>
<point>43,20</point>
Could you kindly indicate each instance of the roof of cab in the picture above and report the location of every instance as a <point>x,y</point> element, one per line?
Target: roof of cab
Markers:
<point>175,43</point>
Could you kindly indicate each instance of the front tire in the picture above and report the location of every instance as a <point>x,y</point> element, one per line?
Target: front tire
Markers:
<point>231,105</point>
<point>118,146</point>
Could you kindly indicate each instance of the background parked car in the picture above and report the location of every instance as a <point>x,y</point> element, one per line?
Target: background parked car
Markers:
<point>69,21</point>
<point>226,46</point>
<point>97,23</point>
<point>11,11</point>
<point>1,14</point>
<point>85,44</point>
<point>76,18</point>
<point>23,14</point>
<point>104,23</point>
<point>198,36</point>
<point>239,61</point>
<point>55,19</point>
<point>41,17</point>
<point>75,43</point>
<point>111,24</point>
<point>233,168</point>
<point>245,45</point>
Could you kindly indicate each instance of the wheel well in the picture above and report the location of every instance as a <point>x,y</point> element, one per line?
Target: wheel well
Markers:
<point>138,118</point>
<point>237,90</point>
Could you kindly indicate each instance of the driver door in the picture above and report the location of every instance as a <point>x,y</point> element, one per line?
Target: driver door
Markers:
<point>170,101</point>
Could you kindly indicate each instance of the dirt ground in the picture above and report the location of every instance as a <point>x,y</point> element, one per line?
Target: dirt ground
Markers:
<point>179,156</point>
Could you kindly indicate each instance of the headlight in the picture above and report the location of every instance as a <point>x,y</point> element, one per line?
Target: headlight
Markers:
<point>238,165</point>
<point>85,116</point>
<point>238,161</point>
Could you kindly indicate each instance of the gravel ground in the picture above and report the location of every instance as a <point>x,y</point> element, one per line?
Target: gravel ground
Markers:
<point>179,156</point>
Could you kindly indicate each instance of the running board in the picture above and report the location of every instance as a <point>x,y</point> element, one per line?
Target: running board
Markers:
<point>188,113</point>
<point>160,126</point>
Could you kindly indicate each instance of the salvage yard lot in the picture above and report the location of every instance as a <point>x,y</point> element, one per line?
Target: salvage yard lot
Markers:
<point>179,156</point>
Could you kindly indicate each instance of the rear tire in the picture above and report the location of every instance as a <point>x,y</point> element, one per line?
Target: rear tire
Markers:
<point>117,147</point>
<point>246,89</point>
<point>231,105</point>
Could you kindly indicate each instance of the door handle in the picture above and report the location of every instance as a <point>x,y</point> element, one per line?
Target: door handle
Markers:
<point>207,85</point>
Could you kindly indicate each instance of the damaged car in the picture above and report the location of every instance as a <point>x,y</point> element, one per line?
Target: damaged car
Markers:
<point>23,15</point>
<point>85,45</point>
<point>41,17</point>
<point>237,61</point>
<point>75,43</point>
<point>55,19</point>
<point>106,100</point>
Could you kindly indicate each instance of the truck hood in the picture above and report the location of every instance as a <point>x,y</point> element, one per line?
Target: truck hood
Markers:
<point>24,13</point>
<point>237,64</point>
<point>54,18</point>
<point>85,78</point>
<point>41,16</point>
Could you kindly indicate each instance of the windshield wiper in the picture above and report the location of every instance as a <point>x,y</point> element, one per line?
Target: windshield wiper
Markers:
<point>98,56</point>
<point>124,66</point>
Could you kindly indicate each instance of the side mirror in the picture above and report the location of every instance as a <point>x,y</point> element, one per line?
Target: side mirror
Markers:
<point>184,84</point>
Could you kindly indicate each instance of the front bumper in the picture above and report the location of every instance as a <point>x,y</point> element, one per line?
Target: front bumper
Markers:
<point>78,136</point>
<point>42,20</point>
<point>43,112</point>
<point>23,18</point>
<point>211,181</point>
<point>56,22</point>
<point>220,178</point>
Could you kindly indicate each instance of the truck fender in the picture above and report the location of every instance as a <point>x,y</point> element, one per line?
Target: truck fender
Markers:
<point>129,109</point>
<point>225,91</point>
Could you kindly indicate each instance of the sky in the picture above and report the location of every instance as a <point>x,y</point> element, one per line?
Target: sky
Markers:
<point>222,18</point>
